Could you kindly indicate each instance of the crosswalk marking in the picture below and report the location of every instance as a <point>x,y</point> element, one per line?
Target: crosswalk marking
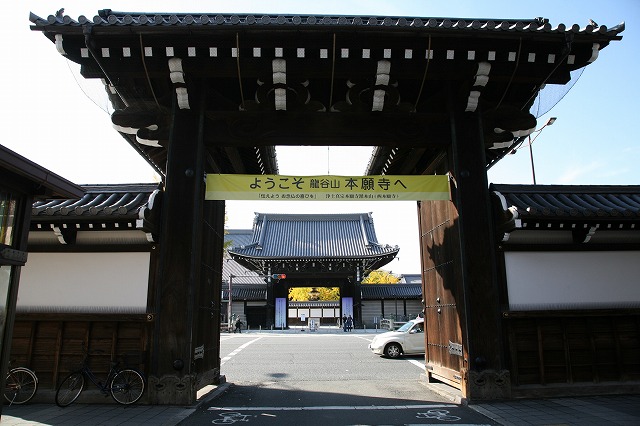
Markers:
<point>235,352</point>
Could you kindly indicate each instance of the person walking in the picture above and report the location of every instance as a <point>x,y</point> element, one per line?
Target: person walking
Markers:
<point>238,326</point>
<point>349,323</point>
<point>344,323</point>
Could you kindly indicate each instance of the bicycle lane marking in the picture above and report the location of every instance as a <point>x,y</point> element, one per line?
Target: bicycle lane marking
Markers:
<point>412,361</point>
<point>237,351</point>
<point>230,415</point>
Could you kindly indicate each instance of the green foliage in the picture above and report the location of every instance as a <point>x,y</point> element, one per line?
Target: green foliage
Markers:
<point>381,277</point>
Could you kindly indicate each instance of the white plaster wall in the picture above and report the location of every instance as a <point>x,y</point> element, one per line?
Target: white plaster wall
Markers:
<point>573,280</point>
<point>84,282</point>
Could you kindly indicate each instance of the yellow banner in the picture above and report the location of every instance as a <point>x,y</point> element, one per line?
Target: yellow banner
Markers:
<point>327,188</point>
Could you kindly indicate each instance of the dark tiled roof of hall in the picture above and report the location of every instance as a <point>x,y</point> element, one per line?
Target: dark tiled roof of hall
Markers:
<point>301,236</point>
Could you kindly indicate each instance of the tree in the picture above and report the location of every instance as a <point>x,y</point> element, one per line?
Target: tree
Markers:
<point>301,294</point>
<point>381,277</point>
<point>227,244</point>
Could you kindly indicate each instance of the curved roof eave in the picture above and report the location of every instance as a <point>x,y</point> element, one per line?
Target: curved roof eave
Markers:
<point>392,252</point>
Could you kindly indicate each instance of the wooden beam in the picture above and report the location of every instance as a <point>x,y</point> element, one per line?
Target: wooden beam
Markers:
<point>251,129</point>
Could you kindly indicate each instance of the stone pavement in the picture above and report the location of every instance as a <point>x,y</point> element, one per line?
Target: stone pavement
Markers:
<point>105,414</point>
<point>93,414</point>
<point>583,411</point>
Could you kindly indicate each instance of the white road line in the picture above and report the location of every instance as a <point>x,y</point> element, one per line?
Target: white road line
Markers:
<point>334,407</point>
<point>235,352</point>
<point>418,363</point>
<point>412,361</point>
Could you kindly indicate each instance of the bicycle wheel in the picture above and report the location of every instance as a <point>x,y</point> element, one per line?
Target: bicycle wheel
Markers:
<point>127,386</point>
<point>70,388</point>
<point>20,386</point>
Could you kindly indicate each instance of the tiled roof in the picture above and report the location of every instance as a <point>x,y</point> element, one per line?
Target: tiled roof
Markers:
<point>369,291</point>
<point>391,291</point>
<point>238,237</point>
<point>116,208</point>
<point>304,236</point>
<point>241,275</point>
<point>100,201</point>
<point>567,214</point>
<point>246,292</point>
<point>328,89</point>
<point>107,17</point>
<point>569,201</point>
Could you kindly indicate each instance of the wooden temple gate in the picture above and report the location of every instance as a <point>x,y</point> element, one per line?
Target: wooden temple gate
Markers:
<point>198,94</point>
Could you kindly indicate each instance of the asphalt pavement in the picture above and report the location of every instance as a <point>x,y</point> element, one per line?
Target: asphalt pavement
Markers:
<point>330,378</point>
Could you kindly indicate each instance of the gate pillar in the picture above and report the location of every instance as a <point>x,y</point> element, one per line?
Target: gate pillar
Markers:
<point>183,292</point>
<point>486,377</point>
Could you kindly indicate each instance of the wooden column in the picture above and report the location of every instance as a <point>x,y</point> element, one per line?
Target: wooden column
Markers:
<point>21,233</point>
<point>206,327</point>
<point>480,320</point>
<point>172,376</point>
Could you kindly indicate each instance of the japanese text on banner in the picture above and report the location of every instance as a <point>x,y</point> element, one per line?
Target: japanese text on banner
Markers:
<point>327,187</point>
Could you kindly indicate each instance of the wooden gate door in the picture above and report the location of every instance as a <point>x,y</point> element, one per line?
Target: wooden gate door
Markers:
<point>442,292</point>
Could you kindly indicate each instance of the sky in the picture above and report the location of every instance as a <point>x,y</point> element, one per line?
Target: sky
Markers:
<point>54,117</point>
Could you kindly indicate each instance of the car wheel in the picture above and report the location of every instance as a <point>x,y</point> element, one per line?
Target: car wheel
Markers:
<point>393,350</point>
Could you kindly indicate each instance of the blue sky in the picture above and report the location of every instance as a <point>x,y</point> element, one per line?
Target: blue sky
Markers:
<point>47,117</point>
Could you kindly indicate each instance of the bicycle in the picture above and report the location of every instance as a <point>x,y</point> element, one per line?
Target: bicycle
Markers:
<point>20,385</point>
<point>125,385</point>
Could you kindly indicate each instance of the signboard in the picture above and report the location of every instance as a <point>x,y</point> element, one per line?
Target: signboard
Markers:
<point>347,306</point>
<point>198,353</point>
<point>327,188</point>
<point>281,312</point>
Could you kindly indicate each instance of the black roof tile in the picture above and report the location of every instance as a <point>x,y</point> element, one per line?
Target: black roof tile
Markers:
<point>100,201</point>
<point>304,236</point>
<point>246,292</point>
<point>108,17</point>
<point>391,291</point>
<point>569,202</point>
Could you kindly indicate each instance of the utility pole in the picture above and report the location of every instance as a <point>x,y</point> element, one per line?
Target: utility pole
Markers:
<point>231,276</point>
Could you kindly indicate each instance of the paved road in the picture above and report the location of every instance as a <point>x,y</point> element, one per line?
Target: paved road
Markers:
<point>320,379</point>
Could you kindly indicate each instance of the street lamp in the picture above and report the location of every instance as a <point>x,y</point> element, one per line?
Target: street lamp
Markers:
<point>548,123</point>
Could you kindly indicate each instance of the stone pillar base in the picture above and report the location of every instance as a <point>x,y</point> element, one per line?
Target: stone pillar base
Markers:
<point>489,385</point>
<point>172,390</point>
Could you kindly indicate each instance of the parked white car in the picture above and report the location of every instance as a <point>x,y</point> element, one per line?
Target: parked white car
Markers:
<point>407,340</point>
